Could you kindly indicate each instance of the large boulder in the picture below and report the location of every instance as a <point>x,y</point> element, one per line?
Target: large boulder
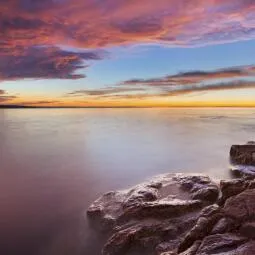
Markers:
<point>243,154</point>
<point>242,206</point>
<point>228,229</point>
<point>177,214</point>
<point>154,215</point>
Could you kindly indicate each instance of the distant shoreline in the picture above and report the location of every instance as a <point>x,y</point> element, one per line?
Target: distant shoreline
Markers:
<point>111,107</point>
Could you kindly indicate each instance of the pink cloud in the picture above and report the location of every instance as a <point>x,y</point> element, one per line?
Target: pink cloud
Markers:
<point>91,23</point>
<point>25,24</point>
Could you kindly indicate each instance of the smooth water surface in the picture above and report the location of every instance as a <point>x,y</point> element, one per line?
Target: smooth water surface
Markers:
<point>55,162</point>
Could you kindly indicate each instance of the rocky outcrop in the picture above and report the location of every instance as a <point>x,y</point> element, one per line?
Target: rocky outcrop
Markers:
<point>229,230</point>
<point>151,217</point>
<point>178,214</point>
<point>243,154</point>
<point>242,158</point>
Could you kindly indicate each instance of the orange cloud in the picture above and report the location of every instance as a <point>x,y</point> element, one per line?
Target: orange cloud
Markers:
<point>5,97</point>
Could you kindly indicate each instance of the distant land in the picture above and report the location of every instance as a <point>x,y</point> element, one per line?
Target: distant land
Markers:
<point>115,107</point>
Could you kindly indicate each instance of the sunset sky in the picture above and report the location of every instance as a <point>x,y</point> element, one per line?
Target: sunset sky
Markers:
<point>127,52</point>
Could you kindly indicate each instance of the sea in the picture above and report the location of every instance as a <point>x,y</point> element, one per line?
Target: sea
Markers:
<point>55,162</point>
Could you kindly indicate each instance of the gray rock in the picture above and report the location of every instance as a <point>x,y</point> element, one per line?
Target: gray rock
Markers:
<point>193,249</point>
<point>176,215</point>
<point>161,197</point>
<point>248,229</point>
<point>243,154</point>
<point>224,225</point>
<point>231,188</point>
<point>213,244</point>
<point>242,206</point>
<point>152,213</point>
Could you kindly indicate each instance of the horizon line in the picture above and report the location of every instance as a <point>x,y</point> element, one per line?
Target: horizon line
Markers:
<point>119,107</point>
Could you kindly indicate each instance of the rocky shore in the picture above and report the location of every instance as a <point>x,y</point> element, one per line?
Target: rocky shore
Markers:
<point>179,214</point>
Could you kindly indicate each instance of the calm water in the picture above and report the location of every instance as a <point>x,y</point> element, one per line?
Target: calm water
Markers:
<point>54,163</point>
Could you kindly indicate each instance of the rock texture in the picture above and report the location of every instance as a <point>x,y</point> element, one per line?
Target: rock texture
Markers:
<point>229,230</point>
<point>152,217</point>
<point>178,214</point>
<point>243,154</point>
<point>243,159</point>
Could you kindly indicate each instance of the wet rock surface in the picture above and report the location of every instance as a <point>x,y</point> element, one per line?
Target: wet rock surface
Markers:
<point>182,214</point>
<point>243,154</point>
<point>242,158</point>
<point>178,214</point>
<point>151,217</point>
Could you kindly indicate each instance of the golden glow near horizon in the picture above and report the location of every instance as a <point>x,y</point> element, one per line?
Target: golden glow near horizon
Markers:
<point>245,98</point>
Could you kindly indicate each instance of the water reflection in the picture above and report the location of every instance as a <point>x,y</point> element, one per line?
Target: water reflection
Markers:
<point>55,162</point>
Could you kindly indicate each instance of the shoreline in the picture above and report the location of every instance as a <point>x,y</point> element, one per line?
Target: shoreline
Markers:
<point>141,220</point>
<point>179,214</point>
<point>122,107</point>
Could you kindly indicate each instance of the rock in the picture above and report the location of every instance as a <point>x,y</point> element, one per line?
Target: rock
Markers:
<point>162,197</point>
<point>152,213</point>
<point>139,235</point>
<point>205,223</point>
<point>223,225</point>
<point>246,249</point>
<point>231,188</point>
<point>193,249</point>
<point>168,253</point>
<point>210,194</point>
<point>243,154</point>
<point>198,232</point>
<point>165,247</point>
<point>243,159</point>
<point>248,229</point>
<point>161,209</point>
<point>178,215</point>
<point>212,244</point>
<point>242,206</point>
<point>243,171</point>
<point>210,211</point>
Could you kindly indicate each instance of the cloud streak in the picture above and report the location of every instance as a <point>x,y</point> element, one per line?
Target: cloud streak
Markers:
<point>192,77</point>
<point>213,87</point>
<point>183,91</point>
<point>40,102</point>
<point>104,92</point>
<point>5,97</point>
<point>183,83</point>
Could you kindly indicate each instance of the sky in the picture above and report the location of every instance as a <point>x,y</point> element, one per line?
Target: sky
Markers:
<point>125,53</point>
